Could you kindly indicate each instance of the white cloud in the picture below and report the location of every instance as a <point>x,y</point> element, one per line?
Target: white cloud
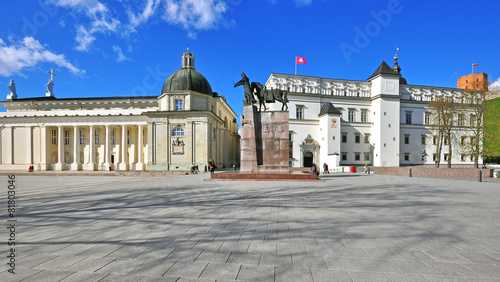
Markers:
<point>495,85</point>
<point>28,53</point>
<point>98,20</point>
<point>137,19</point>
<point>97,17</point>
<point>197,14</point>
<point>119,54</point>
<point>84,38</point>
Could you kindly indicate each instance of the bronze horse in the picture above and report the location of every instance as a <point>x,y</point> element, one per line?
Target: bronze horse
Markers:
<point>269,95</point>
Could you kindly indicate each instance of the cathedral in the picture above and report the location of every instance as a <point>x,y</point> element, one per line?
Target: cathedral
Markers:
<point>186,125</point>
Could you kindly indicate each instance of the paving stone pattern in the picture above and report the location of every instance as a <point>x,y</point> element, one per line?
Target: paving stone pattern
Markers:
<point>352,227</point>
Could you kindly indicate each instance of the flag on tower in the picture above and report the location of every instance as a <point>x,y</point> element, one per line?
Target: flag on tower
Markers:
<point>299,60</point>
<point>475,65</point>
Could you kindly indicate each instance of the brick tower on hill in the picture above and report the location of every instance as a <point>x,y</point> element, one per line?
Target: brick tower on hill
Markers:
<point>474,81</point>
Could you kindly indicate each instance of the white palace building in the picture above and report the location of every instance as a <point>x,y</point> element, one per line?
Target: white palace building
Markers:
<point>186,125</point>
<point>382,121</point>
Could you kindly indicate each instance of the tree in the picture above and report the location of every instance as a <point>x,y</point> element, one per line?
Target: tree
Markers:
<point>443,118</point>
<point>475,105</point>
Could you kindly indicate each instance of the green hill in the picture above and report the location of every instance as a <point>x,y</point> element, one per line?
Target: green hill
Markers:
<point>492,130</point>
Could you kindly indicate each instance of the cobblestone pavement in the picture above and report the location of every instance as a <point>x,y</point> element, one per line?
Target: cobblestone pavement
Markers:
<point>352,227</point>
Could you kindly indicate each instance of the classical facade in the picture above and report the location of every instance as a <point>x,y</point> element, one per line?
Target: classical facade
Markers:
<point>383,121</point>
<point>186,125</point>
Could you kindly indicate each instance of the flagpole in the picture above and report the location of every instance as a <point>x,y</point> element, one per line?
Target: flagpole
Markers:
<point>472,69</point>
<point>295,65</point>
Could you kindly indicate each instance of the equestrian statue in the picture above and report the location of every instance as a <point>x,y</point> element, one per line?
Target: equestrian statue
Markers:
<point>263,94</point>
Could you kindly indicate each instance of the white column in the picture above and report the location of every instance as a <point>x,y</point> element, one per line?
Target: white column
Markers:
<point>10,154</point>
<point>90,165</point>
<point>123,164</point>
<point>140,149</point>
<point>107,149</point>
<point>60,149</point>
<point>76,145</point>
<point>29,145</point>
<point>43,148</point>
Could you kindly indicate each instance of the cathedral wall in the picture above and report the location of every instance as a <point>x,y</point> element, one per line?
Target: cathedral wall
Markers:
<point>6,141</point>
<point>36,145</point>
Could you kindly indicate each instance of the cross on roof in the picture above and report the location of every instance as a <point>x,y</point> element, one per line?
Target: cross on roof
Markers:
<point>51,72</point>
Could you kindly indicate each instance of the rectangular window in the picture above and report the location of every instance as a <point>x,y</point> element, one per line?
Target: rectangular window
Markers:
<point>446,156</point>
<point>367,138</point>
<point>299,112</point>
<point>367,156</point>
<point>96,132</point>
<point>427,118</point>
<point>364,116</point>
<point>408,117</point>
<point>434,157</point>
<point>54,137</point>
<point>179,105</point>
<point>357,156</point>
<point>350,115</point>
<point>344,137</point>
<point>357,138</point>
<point>423,139</point>
<point>82,137</point>
<point>344,156</point>
<point>66,137</point>
<point>407,157</point>
<point>463,158</point>
<point>112,137</point>
<point>473,141</point>
<point>407,139</point>
<point>446,140</point>
<point>434,140</point>
<point>472,120</point>
<point>128,137</point>
<point>460,120</point>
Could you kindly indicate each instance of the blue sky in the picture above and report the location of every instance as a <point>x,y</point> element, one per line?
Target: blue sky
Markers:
<point>102,48</point>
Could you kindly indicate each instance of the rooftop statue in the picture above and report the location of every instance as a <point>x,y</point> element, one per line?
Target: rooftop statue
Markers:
<point>50,87</point>
<point>12,88</point>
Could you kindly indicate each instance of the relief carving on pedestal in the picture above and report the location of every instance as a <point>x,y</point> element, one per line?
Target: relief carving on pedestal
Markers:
<point>178,146</point>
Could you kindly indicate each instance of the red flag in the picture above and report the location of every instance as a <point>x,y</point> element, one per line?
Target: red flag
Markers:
<point>299,60</point>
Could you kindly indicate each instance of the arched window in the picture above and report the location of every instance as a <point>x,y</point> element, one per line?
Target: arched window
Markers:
<point>178,132</point>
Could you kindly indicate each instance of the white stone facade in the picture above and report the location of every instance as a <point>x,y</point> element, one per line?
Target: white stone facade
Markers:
<point>173,131</point>
<point>372,128</point>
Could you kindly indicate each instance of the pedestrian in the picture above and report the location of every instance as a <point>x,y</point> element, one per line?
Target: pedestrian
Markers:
<point>205,171</point>
<point>325,168</point>
<point>366,169</point>
<point>314,170</point>
<point>234,167</point>
<point>211,166</point>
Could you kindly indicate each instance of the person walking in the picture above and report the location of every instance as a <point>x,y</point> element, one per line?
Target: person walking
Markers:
<point>325,168</point>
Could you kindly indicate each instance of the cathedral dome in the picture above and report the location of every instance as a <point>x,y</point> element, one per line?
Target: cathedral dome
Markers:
<point>187,78</point>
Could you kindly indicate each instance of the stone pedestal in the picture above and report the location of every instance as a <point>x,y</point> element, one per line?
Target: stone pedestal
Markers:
<point>264,141</point>
<point>76,166</point>
<point>60,166</point>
